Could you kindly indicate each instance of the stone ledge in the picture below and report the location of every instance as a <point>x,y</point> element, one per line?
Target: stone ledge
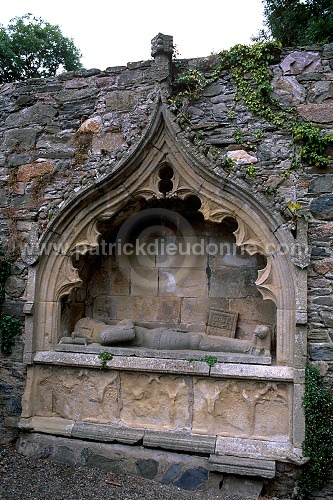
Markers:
<point>242,466</point>
<point>123,363</point>
<point>165,365</point>
<point>255,372</point>
<point>142,352</point>
<point>180,441</point>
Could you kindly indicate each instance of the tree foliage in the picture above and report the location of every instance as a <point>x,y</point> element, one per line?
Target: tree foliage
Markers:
<point>31,48</point>
<point>298,22</point>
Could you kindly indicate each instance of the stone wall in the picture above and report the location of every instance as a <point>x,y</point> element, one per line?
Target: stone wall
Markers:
<point>61,135</point>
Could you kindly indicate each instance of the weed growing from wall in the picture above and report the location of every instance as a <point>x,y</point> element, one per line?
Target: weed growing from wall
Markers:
<point>105,357</point>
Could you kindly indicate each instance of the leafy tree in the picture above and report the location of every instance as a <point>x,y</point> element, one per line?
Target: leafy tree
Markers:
<point>298,22</point>
<point>31,48</point>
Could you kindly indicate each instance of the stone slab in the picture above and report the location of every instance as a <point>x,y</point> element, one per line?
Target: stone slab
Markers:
<point>102,432</point>
<point>254,448</point>
<point>254,372</point>
<point>48,425</point>
<point>179,441</point>
<point>128,352</point>
<point>128,363</point>
<point>242,466</point>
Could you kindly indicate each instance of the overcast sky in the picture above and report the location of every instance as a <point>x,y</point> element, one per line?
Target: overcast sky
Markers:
<point>112,33</point>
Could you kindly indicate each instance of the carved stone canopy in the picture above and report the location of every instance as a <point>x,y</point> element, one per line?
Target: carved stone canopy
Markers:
<point>163,165</point>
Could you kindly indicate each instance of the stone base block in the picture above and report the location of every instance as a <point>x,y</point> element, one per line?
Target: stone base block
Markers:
<point>242,466</point>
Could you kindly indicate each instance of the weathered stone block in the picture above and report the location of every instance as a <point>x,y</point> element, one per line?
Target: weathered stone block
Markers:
<point>320,91</point>
<point>241,157</point>
<point>287,90</point>
<point>183,282</point>
<point>245,488</point>
<point>254,408</point>
<point>15,286</point>
<point>107,142</point>
<point>31,170</point>
<point>49,425</point>
<point>38,113</point>
<point>120,101</point>
<point>85,430</point>
<point>20,139</point>
<point>144,281</point>
<point>180,441</point>
<point>301,62</point>
<point>105,307</point>
<point>192,478</point>
<point>322,207</point>
<point>16,159</point>
<point>72,95</point>
<point>321,184</point>
<point>147,468</point>
<point>194,310</point>
<point>318,113</point>
<point>233,282</point>
<point>321,352</point>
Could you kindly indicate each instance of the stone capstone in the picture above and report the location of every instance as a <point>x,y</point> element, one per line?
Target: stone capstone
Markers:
<point>242,466</point>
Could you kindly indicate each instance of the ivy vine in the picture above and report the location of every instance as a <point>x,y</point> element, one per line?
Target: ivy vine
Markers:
<point>10,326</point>
<point>249,66</point>
<point>318,443</point>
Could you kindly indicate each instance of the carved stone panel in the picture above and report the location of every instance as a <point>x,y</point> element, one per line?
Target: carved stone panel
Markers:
<point>77,394</point>
<point>246,409</point>
<point>154,401</point>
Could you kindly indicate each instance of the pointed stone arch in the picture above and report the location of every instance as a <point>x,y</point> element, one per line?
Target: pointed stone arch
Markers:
<point>75,229</point>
